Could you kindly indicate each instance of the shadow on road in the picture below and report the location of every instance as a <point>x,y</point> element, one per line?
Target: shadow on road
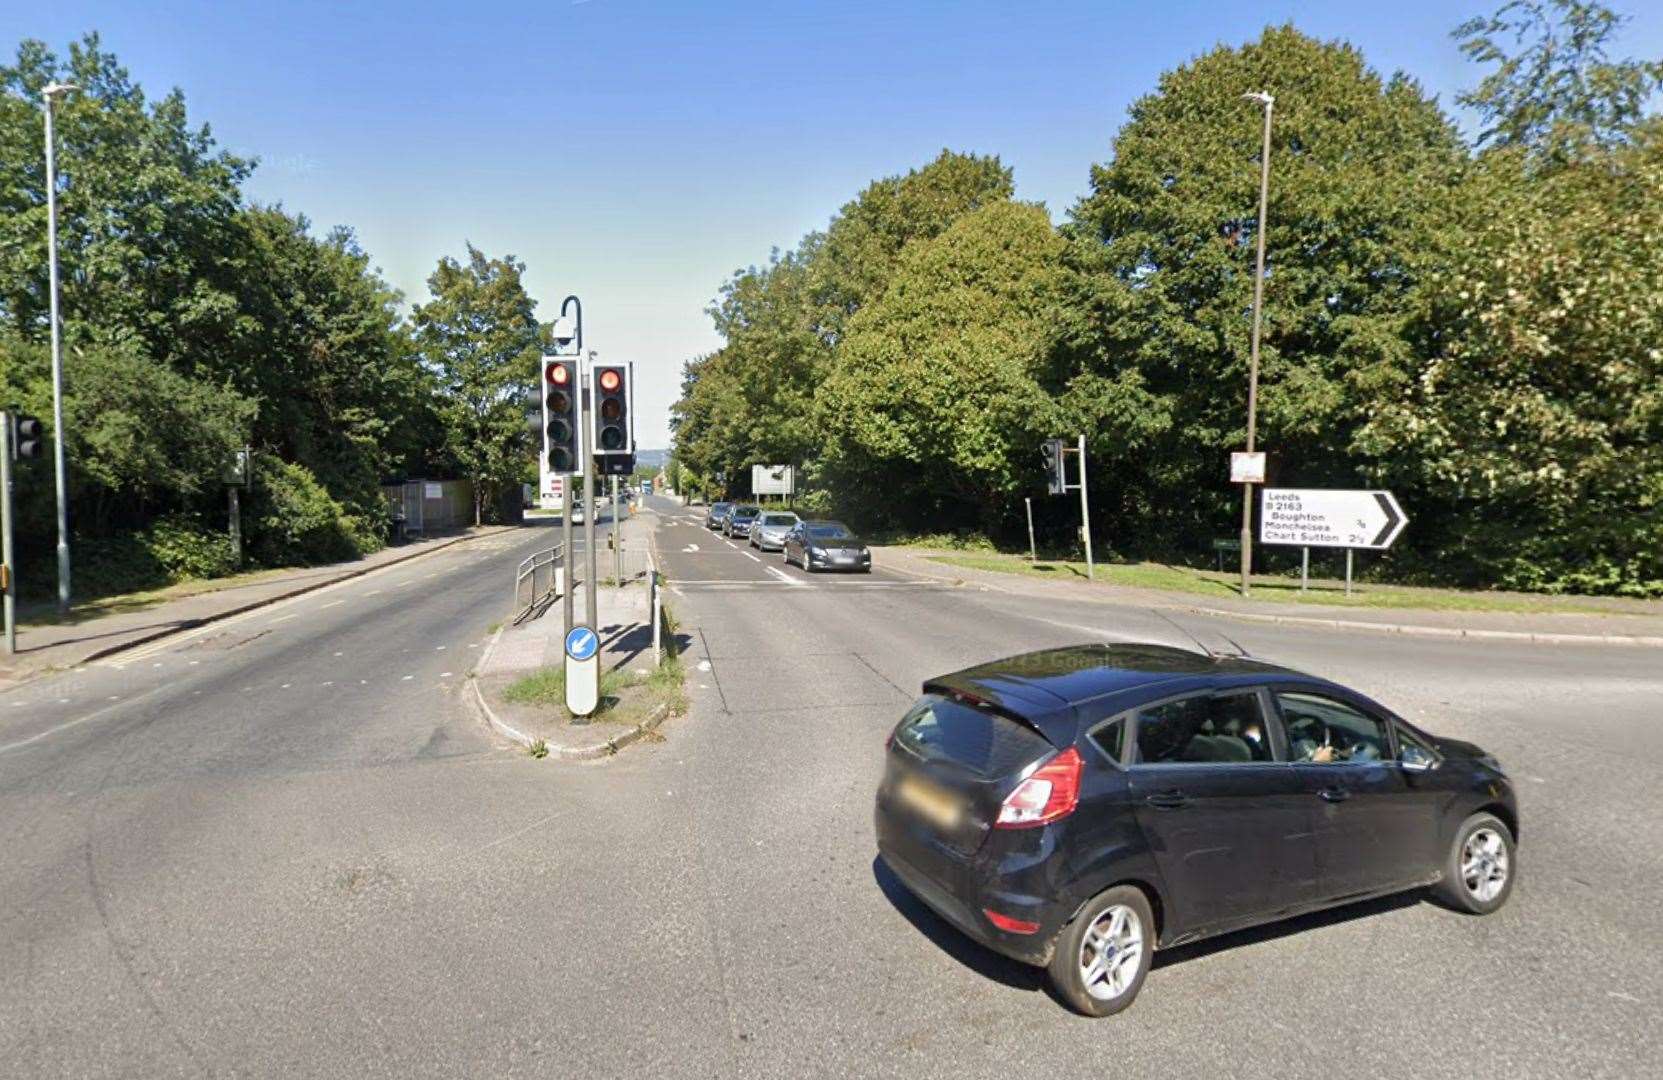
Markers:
<point>948,939</point>
<point>989,964</point>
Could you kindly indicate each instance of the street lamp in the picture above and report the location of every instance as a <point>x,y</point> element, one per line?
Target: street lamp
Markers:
<point>50,94</point>
<point>1269,104</point>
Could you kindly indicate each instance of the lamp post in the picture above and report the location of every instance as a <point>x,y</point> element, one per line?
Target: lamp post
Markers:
<point>1253,364</point>
<point>50,95</point>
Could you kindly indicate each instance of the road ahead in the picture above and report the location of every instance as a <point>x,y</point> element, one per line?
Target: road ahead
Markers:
<point>301,854</point>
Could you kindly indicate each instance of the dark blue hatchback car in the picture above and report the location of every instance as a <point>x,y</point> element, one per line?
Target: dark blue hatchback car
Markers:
<point>1079,808</point>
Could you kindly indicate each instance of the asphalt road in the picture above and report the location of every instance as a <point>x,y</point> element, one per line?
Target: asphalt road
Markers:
<point>292,849</point>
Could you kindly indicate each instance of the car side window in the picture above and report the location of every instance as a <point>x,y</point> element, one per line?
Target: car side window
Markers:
<point>1111,738</point>
<point>1324,730</point>
<point>1209,729</point>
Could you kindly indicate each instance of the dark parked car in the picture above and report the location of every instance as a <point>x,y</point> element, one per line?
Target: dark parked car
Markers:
<point>717,513</point>
<point>1081,807</point>
<point>738,521</point>
<point>825,545</point>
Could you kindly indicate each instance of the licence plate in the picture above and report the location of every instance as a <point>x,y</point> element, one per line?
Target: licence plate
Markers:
<point>930,802</point>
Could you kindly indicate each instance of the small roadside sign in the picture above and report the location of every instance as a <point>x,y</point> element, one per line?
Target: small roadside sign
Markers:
<point>582,670</point>
<point>1323,517</point>
<point>1247,468</point>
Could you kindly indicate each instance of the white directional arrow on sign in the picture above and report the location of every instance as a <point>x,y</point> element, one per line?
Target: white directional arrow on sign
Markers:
<point>1322,517</point>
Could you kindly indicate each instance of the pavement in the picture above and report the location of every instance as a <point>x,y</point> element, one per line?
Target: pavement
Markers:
<point>105,629</point>
<point>1628,623</point>
<point>290,847</point>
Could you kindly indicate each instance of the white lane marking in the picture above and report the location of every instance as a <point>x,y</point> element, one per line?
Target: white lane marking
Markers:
<point>281,618</point>
<point>407,678</point>
<point>781,574</point>
<point>440,648</point>
<point>373,592</point>
<point>690,549</point>
<point>334,603</point>
<point>444,674</point>
<point>285,686</point>
<point>749,556</point>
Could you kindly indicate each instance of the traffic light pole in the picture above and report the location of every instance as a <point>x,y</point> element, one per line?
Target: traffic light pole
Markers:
<point>617,542</point>
<point>6,531</point>
<point>587,435</point>
<point>566,552</point>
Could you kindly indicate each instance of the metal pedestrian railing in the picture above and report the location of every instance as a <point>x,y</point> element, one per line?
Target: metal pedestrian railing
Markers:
<point>538,581</point>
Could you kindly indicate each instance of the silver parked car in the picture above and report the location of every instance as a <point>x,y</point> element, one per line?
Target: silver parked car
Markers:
<point>769,529</point>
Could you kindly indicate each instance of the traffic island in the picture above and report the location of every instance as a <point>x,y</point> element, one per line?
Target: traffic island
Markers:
<point>520,684</point>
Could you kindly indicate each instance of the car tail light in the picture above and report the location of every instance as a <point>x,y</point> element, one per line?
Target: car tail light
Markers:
<point>1050,793</point>
<point>1010,925</point>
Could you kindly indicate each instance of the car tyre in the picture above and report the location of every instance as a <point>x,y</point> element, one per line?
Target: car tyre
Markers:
<point>1481,866</point>
<point>1102,957</point>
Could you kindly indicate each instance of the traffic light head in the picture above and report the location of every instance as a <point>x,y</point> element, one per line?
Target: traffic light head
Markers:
<point>561,415</point>
<point>1051,453</point>
<point>28,437</point>
<point>614,448</point>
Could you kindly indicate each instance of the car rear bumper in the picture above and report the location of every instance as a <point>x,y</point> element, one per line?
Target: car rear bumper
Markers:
<point>961,888</point>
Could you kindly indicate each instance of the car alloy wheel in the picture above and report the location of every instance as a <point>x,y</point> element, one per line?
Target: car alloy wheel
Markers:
<point>1100,959</point>
<point>1481,866</point>
<point>1484,865</point>
<point>1111,953</point>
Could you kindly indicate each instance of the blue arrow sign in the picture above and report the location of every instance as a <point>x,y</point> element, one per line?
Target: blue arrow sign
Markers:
<point>581,643</point>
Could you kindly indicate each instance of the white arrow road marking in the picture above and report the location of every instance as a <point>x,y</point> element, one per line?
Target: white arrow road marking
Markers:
<point>690,549</point>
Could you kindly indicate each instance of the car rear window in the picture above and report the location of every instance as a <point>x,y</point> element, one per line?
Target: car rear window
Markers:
<point>778,519</point>
<point>829,532</point>
<point>977,739</point>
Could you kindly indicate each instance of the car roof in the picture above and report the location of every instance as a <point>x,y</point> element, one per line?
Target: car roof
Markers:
<point>824,521</point>
<point>1046,687</point>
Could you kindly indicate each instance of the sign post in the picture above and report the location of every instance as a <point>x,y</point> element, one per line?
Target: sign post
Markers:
<point>6,531</point>
<point>1032,555</point>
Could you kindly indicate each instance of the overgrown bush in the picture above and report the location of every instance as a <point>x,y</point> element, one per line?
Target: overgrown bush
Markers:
<point>295,522</point>
<point>185,548</point>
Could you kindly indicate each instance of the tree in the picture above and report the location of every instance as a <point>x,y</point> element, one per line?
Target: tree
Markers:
<point>1164,250</point>
<point>943,388</point>
<point>480,340</point>
<point>1532,439</point>
<point>1553,86</point>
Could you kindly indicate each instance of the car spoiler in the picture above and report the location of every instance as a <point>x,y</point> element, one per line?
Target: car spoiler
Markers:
<point>1016,700</point>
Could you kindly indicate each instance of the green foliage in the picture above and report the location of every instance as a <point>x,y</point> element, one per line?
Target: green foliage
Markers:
<point>1551,85</point>
<point>478,337</point>
<point>1479,331</point>
<point>1164,246</point>
<point>1533,435</point>
<point>186,549</point>
<point>293,521</point>
<point>942,390</point>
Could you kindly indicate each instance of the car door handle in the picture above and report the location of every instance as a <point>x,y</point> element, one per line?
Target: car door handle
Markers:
<point>1168,800</point>
<point>1334,794</point>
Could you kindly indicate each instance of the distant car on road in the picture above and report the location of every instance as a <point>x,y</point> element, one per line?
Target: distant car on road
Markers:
<point>825,545</point>
<point>769,529</point>
<point>738,521</point>
<point>717,513</point>
<point>1078,808</point>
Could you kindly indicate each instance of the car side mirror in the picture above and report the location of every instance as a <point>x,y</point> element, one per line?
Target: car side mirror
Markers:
<point>1414,759</point>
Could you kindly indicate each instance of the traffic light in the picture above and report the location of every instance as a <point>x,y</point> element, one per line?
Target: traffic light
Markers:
<point>28,437</point>
<point>561,416</point>
<point>1051,451</point>
<point>614,440</point>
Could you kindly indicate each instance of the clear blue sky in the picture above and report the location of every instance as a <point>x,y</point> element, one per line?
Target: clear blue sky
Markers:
<point>637,153</point>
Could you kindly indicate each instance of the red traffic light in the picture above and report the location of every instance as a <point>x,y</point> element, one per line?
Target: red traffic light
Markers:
<point>611,380</point>
<point>557,374</point>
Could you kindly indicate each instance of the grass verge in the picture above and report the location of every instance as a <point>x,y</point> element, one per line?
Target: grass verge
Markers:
<point>1209,583</point>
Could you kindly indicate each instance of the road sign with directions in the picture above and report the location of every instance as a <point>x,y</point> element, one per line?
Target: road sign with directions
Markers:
<point>1323,517</point>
